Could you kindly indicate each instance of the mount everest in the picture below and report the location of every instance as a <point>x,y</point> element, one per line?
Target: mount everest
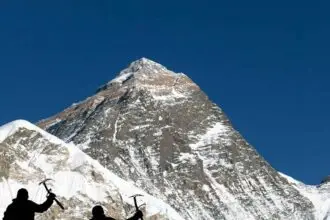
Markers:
<point>154,132</point>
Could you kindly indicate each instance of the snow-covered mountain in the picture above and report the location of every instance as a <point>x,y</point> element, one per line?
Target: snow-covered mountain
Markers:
<point>157,129</point>
<point>29,155</point>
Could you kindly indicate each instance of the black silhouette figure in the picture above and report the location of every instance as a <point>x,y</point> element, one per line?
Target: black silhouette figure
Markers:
<point>98,214</point>
<point>22,208</point>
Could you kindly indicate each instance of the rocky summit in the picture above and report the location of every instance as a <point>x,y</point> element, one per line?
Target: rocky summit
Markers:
<point>157,129</point>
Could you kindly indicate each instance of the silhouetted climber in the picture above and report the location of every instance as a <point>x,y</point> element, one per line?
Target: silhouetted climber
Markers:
<point>22,208</point>
<point>98,214</point>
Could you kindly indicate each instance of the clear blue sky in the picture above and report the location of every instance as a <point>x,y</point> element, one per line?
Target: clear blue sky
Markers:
<point>266,63</point>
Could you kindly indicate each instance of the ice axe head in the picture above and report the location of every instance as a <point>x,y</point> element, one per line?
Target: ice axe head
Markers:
<point>44,183</point>
<point>136,195</point>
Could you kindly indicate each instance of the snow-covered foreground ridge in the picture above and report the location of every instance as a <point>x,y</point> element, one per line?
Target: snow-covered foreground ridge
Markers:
<point>79,181</point>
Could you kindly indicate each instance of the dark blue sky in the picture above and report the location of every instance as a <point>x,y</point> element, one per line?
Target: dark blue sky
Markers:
<point>265,63</point>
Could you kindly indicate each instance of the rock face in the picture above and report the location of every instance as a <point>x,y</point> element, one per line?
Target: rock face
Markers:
<point>29,155</point>
<point>158,129</point>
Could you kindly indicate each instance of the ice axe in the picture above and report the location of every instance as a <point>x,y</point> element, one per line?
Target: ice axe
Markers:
<point>49,191</point>
<point>135,203</point>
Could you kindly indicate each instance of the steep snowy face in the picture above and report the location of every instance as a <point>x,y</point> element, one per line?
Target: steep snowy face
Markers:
<point>29,155</point>
<point>157,128</point>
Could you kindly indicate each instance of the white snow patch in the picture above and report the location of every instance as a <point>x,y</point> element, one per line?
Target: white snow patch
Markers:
<point>188,157</point>
<point>139,127</point>
<point>206,188</point>
<point>122,77</point>
<point>211,135</point>
<point>159,133</point>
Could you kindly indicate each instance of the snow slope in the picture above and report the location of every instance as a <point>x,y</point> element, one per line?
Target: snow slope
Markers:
<point>72,170</point>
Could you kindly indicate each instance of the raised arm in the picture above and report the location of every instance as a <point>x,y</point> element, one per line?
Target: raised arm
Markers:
<point>44,206</point>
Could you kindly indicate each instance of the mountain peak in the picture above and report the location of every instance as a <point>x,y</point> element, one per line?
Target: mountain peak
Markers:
<point>11,127</point>
<point>144,71</point>
<point>142,67</point>
<point>145,63</point>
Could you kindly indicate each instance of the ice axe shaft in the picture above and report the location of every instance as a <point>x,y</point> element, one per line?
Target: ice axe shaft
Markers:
<point>135,203</point>
<point>49,191</point>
